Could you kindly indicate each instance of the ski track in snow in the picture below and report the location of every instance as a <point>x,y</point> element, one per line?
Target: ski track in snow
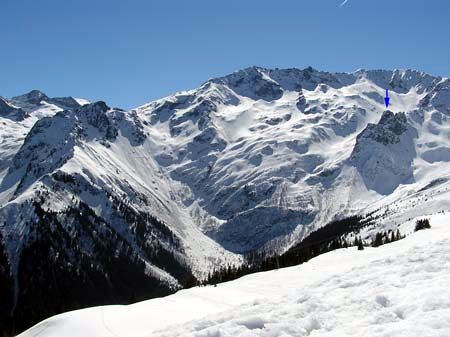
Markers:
<point>399,289</point>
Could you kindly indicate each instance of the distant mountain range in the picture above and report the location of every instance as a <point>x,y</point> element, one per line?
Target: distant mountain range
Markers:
<point>101,205</point>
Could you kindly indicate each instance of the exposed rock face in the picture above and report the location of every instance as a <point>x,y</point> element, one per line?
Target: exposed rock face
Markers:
<point>384,152</point>
<point>8,110</point>
<point>438,98</point>
<point>252,83</point>
<point>67,103</point>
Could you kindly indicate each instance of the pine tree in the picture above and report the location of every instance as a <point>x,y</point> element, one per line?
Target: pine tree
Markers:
<point>344,243</point>
<point>360,244</point>
<point>422,224</point>
<point>378,241</point>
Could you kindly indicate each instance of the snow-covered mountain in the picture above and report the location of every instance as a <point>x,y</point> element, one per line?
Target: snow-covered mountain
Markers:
<point>272,154</point>
<point>162,193</point>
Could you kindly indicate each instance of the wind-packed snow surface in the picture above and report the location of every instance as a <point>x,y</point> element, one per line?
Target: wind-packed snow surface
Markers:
<point>399,289</point>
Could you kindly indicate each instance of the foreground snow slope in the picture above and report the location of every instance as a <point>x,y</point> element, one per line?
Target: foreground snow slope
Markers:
<point>400,289</point>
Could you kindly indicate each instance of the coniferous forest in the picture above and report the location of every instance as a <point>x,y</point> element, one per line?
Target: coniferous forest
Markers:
<point>325,239</point>
<point>64,268</point>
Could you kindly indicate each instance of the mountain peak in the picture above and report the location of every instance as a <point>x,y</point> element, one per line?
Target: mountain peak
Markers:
<point>252,82</point>
<point>99,106</point>
<point>95,114</point>
<point>395,123</point>
<point>33,97</point>
<point>36,93</point>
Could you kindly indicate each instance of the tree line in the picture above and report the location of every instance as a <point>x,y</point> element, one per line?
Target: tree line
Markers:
<point>325,239</point>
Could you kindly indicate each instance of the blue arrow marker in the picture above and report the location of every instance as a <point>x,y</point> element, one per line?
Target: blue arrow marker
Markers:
<point>386,99</point>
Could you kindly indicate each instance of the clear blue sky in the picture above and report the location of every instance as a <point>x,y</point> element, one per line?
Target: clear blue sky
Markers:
<point>133,51</point>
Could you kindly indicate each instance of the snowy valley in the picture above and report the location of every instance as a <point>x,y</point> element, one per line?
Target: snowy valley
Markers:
<point>142,203</point>
<point>399,289</point>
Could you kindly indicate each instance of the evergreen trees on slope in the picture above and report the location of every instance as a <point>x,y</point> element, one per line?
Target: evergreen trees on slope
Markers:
<point>422,224</point>
<point>330,237</point>
<point>82,262</point>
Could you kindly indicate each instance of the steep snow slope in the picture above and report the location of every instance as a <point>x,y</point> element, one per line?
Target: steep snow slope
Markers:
<point>399,289</point>
<point>265,156</point>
